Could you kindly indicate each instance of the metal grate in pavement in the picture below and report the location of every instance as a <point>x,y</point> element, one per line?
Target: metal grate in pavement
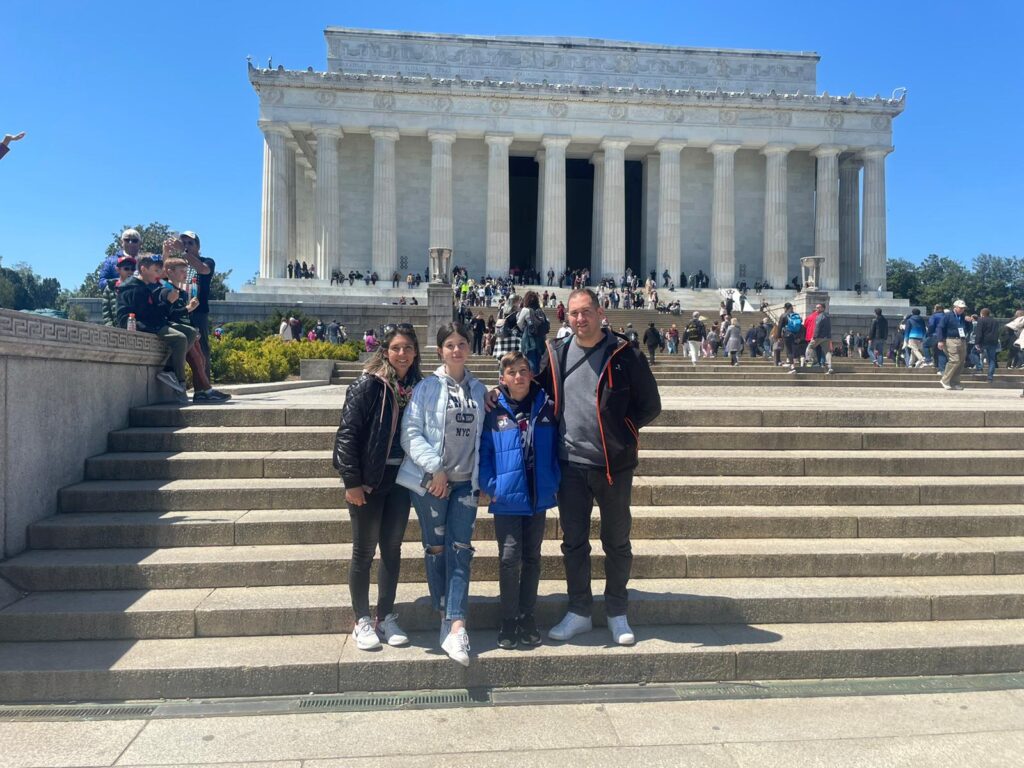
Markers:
<point>74,713</point>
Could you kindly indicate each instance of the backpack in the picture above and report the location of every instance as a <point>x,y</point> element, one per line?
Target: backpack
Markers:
<point>537,323</point>
<point>692,332</point>
<point>794,325</point>
<point>505,331</point>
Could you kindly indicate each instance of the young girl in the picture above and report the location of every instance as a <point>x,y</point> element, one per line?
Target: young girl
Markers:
<point>367,455</point>
<point>519,470</point>
<point>441,435</point>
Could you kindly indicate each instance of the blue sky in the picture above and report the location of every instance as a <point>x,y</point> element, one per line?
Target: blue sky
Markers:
<point>142,111</point>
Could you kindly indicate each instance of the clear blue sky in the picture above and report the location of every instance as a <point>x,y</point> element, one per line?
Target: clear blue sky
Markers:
<point>142,111</point>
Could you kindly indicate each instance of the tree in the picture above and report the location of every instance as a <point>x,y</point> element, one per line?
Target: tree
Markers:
<point>998,284</point>
<point>901,278</point>
<point>942,280</point>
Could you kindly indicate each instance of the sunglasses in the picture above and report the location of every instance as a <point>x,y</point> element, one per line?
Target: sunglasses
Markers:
<point>130,240</point>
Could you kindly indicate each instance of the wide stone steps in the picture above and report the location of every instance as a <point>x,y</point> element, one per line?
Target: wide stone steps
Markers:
<point>279,565</point>
<point>299,664</point>
<point>660,463</point>
<point>192,439</point>
<point>323,492</point>
<point>326,608</point>
<point>333,526</point>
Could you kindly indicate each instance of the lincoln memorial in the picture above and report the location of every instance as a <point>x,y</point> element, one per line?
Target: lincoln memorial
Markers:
<point>548,152</point>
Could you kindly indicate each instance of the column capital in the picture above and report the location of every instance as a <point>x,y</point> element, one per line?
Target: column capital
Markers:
<point>327,131</point>
<point>670,145</point>
<point>828,150</point>
<point>614,143</point>
<point>389,134</point>
<point>539,155</point>
<point>777,149</point>
<point>272,126</point>
<point>597,158</point>
<point>441,135</point>
<point>852,162</point>
<point>556,142</point>
<point>874,152</point>
<point>498,139</point>
<point>723,147</point>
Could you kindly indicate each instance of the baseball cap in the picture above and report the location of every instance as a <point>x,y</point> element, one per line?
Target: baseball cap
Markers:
<point>126,260</point>
<point>696,315</point>
<point>191,234</point>
<point>960,303</point>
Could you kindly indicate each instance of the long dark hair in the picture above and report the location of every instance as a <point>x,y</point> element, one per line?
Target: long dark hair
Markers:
<point>379,365</point>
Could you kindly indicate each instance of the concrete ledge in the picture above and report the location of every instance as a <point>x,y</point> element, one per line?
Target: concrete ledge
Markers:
<point>271,386</point>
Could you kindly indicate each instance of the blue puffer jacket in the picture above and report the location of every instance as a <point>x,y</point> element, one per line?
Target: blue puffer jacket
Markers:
<point>502,466</point>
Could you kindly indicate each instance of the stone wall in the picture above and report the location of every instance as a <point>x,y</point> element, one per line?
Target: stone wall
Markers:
<point>63,387</point>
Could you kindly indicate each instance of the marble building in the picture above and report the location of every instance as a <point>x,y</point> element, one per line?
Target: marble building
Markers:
<point>554,152</point>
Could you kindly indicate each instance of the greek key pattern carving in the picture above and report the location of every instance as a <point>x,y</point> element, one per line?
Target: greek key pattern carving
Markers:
<point>22,327</point>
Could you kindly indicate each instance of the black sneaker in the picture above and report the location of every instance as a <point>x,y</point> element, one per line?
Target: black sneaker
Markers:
<point>217,396</point>
<point>201,397</point>
<point>508,636</point>
<point>528,630</point>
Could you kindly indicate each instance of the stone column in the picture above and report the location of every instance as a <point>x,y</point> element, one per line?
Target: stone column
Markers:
<point>826,214</point>
<point>554,204</point>
<point>873,241</point>
<point>276,222</point>
<point>539,252</point>
<point>776,215</point>
<point>291,184</point>
<point>613,211</point>
<point>384,256</point>
<point>597,220</point>
<point>669,209</point>
<point>441,204</point>
<point>849,223</point>
<point>305,219</point>
<point>723,217</point>
<point>497,254</point>
<point>327,227</point>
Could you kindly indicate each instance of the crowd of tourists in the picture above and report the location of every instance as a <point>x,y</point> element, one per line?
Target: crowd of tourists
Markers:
<point>168,295</point>
<point>443,444</point>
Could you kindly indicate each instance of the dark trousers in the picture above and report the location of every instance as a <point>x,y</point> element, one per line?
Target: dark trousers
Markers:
<point>478,343</point>
<point>519,538</point>
<point>650,352</point>
<point>579,488</point>
<point>381,521</point>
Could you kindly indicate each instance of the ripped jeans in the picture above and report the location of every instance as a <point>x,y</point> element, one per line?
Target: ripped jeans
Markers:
<point>448,523</point>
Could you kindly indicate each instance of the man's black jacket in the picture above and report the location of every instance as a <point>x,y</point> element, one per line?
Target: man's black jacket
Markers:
<point>627,397</point>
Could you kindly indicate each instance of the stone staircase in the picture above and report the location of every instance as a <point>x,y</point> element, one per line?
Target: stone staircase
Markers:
<point>206,555</point>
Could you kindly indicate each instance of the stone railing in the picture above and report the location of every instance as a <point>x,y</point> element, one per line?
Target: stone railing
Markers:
<point>63,386</point>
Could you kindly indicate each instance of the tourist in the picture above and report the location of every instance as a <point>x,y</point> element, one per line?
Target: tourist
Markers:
<point>1014,334</point>
<point>131,244</point>
<point>694,334</point>
<point>367,454</point>
<point>733,342</point>
<point>819,334</point>
<point>914,333</point>
<point>5,143</point>
<point>519,471</point>
<point>150,301</point>
<point>597,456</point>
<point>478,328</point>
<point>507,337</point>
<point>652,340</point>
<point>441,434</point>
<point>877,335</point>
<point>534,326</point>
<point>792,329</point>
<point>937,316</point>
<point>204,269</point>
<point>284,331</point>
<point>370,340</point>
<point>182,312</point>
<point>672,340</point>
<point>951,338</point>
<point>986,340</point>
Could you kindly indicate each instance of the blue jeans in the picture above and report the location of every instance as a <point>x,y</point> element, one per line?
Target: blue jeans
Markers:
<point>448,523</point>
<point>990,355</point>
<point>877,352</point>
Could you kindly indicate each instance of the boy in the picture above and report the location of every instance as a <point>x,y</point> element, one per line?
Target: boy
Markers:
<point>180,314</point>
<point>519,471</point>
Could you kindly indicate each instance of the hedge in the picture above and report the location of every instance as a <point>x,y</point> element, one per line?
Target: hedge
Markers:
<point>237,360</point>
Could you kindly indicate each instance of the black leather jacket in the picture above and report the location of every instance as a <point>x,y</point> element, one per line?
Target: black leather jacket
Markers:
<point>370,419</point>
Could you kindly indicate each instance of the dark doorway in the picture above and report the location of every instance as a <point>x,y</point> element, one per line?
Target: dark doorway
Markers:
<point>634,212</point>
<point>522,212</point>
<point>579,212</point>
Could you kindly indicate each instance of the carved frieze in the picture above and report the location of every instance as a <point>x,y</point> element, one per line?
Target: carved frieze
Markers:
<point>617,112</point>
<point>727,116</point>
<point>385,101</point>
<point>833,120</point>
<point>326,98</point>
<point>558,109</point>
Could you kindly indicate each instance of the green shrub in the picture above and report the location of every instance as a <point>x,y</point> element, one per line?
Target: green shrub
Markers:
<point>236,360</point>
<point>245,330</point>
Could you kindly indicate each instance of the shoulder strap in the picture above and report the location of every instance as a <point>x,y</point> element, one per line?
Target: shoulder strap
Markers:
<point>581,361</point>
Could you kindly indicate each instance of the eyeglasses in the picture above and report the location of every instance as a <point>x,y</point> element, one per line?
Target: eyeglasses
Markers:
<point>130,240</point>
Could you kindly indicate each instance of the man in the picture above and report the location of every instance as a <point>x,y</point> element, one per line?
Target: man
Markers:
<point>986,340</point>
<point>551,277</point>
<point>951,336</point>
<point>791,326</point>
<point>5,144</point>
<point>131,243</point>
<point>694,334</point>
<point>938,313</point>
<point>876,338</point>
<point>820,342</point>
<point>204,268</point>
<point>597,456</point>
<point>652,340</point>
<point>632,336</point>
<point>564,331</point>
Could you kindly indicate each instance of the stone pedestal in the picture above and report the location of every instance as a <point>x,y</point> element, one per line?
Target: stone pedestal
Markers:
<point>440,312</point>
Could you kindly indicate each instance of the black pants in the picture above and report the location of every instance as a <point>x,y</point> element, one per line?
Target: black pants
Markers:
<point>519,538</point>
<point>381,521</point>
<point>478,343</point>
<point>579,488</point>
<point>651,351</point>
<point>202,323</point>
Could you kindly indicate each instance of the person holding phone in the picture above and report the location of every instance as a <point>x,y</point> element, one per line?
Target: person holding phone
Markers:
<point>367,454</point>
<point>441,438</point>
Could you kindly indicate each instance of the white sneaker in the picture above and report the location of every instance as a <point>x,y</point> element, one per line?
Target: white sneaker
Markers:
<point>389,631</point>
<point>456,645</point>
<point>621,631</point>
<point>573,624</point>
<point>945,385</point>
<point>365,635</point>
